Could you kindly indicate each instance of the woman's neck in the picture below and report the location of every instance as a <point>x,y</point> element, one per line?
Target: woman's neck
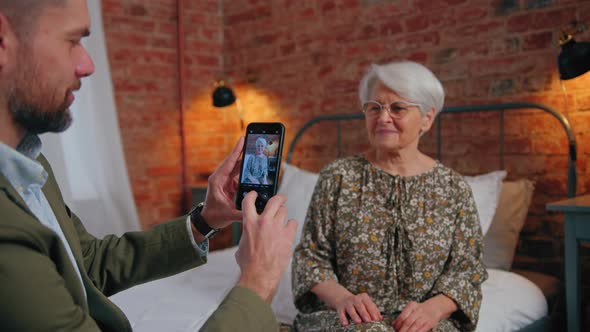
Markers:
<point>401,162</point>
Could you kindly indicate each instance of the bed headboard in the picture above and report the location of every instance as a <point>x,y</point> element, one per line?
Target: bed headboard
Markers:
<point>339,119</point>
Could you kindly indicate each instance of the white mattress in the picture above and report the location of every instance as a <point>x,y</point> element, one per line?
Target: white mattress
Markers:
<point>183,302</point>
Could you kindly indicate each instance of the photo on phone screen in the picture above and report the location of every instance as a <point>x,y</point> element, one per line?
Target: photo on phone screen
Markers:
<point>261,161</point>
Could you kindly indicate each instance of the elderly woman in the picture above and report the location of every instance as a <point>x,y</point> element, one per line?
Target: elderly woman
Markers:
<point>391,240</point>
<point>256,166</point>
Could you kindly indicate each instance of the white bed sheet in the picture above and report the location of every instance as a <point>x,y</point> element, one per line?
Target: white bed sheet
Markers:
<point>183,302</point>
<point>510,302</point>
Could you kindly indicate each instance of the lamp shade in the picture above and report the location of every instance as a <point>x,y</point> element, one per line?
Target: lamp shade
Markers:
<point>574,59</point>
<point>223,96</point>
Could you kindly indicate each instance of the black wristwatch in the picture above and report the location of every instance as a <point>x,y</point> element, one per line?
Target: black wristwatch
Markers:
<point>199,222</point>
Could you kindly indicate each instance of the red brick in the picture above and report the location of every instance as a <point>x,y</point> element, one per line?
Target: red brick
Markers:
<point>390,28</point>
<point>350,4</point>
<point>427,5</point>
<point>137,10</point>
<point>151,71</point>
<point>416,23</point>
<point>478,30</point>
<point>537,82</point>
<point>471,13</point>
<point>209,61</point>
<point>421,57</point>
<point>142,198</point>
<point>537,41</point>
<point>521,22</point>
<point>288,49</point>
<point>552,185</point>
<point>524,165</point>
<point>135,24</point>
<point>327,7</point>
<point>418,41</point>
<point>505,46</point>
<point>507,65</point>
<point>111,6</point>
<point>164,171</point>
<point>553,19</point>
<point>127,39</point>
<point>251,15</point>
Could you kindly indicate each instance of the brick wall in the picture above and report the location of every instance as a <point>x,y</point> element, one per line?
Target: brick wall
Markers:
<point>290,60</point>
<point>142,46</point>
<point>308,56</point>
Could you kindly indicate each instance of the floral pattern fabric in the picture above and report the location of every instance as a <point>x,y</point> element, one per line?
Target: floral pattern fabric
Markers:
<point>256,167</point>
<point>396,238</point>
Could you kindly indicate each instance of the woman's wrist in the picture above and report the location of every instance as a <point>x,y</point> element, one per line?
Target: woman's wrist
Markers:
<point>443,305</point>
<point>331,292</point>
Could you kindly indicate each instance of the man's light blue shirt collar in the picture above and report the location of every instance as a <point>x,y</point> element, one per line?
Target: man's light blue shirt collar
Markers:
<point>20,166</point>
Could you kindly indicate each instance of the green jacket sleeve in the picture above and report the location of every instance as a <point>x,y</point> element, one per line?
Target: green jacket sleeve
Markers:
<point>33,292</point>
<point>242,310</point>
<point>117,263</point>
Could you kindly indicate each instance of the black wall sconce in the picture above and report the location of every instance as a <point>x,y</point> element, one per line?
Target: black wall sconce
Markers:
<point>574,59</point>
<point>224,96</point>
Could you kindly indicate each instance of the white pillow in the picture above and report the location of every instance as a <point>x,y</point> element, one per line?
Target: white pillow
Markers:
<point>486,190</point>
<point>298,186</point>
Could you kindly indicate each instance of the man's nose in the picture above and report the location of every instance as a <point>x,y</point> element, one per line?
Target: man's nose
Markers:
<point>85,66</point>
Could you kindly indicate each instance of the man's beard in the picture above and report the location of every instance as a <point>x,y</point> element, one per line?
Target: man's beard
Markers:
<point>35,120</point>
<point>34,106</point>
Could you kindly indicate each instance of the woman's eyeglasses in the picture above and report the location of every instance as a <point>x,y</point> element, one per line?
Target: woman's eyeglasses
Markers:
<point>397,109</point>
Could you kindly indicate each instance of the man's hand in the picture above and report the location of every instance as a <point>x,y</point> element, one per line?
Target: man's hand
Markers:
<point>265,247</point>
<point>219,210</point>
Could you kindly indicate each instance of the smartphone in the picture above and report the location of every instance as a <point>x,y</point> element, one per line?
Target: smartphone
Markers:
<point>261,162</point>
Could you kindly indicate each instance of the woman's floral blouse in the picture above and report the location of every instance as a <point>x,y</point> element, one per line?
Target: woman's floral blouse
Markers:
<point>396,238</point>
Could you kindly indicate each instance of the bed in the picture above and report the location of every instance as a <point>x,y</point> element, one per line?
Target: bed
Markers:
<point>512,300</point>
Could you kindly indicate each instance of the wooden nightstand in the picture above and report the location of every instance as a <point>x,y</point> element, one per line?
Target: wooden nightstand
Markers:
<point>577,229</point>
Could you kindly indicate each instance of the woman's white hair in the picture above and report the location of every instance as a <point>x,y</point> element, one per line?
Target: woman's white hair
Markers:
<point>261,139</point>
<point>410,80</point>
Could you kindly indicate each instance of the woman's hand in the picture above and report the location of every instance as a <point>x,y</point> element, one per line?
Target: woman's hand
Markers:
<point>419,317</point>
<point>416,317</point>
<point>360,308</point>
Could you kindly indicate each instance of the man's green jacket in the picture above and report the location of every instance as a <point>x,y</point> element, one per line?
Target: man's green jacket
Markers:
<point>40,290</point>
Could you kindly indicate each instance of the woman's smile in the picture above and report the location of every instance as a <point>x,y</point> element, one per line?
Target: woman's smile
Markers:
<point>386,131</point>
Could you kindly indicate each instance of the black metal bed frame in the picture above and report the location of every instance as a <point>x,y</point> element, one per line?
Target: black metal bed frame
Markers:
<point>502,108</point>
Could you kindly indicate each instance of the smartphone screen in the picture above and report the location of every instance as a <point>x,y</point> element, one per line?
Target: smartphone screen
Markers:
<point>261,162</point>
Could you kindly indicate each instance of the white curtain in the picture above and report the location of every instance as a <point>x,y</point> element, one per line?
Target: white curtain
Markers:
<point>88,158</point>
